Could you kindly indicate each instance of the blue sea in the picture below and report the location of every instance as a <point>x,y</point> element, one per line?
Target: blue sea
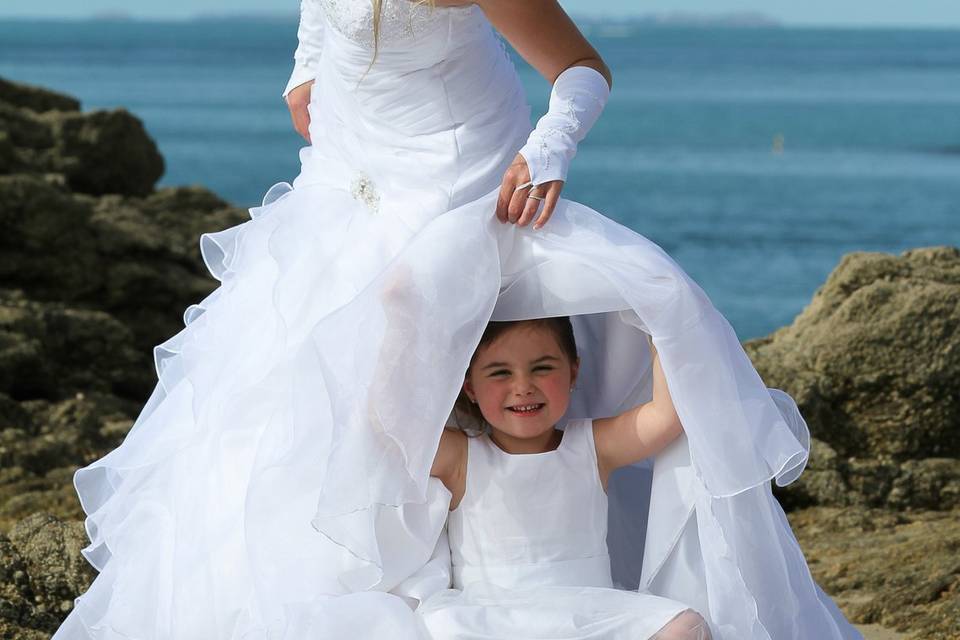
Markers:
<point>755,157</point>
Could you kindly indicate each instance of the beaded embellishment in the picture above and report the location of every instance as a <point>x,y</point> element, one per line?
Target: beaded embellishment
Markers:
<point>400,20</point>
<point>363,189</point>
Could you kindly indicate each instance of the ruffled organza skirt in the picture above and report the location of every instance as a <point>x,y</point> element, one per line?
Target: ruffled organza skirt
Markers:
<point>276,484</point>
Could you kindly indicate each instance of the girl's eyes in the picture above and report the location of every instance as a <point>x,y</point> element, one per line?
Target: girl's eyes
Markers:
<point>503,372</point>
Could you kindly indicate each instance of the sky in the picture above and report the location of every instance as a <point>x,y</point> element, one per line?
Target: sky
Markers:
<point>875,13</point>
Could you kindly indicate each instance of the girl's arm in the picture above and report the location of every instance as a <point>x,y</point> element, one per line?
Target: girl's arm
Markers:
<point>450,464</point>
<point>640,432</point>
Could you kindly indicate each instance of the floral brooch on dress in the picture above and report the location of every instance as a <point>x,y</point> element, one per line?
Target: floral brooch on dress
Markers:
<point>363,189</point>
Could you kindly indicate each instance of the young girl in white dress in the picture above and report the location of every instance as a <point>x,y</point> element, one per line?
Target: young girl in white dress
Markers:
<point>528,512</point>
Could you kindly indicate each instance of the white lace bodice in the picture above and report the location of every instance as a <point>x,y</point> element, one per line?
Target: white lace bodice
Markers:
<point>400,20</point>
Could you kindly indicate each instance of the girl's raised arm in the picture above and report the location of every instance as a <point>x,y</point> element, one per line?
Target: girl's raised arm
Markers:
<point>640,432</point>
<point>450,464</point>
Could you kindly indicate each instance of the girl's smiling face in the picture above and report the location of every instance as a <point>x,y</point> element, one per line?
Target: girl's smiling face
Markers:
<point>521,381</point>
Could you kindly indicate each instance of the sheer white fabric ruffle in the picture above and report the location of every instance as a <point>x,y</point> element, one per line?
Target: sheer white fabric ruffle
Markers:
<point>311,388</point>
<point>276,484</point>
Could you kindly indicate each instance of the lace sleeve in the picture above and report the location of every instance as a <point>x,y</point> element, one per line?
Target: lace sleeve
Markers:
<point>310,37</point>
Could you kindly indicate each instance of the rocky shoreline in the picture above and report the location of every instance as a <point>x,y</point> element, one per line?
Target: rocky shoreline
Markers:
<point>97,263</point>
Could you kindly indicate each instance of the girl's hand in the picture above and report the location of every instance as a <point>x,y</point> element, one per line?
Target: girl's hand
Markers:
<point>515,204</point>
<point>297,101</point>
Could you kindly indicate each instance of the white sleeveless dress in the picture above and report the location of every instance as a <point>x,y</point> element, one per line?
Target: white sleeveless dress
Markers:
<point>528,543</point>
<point>276,484</point>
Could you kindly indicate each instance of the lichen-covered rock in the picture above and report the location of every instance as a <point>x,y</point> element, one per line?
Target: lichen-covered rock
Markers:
<point>928,483</point>
<point>26,141</point>
<point>23,494</point>
<point>134,261</point>
<point>98,152</point>
<point>48,247</point>
<point>900,570</point>
<point>35,98</point>
<point>49,350</point>
<point>57,572</point>
<point>66,433</point>
<point>22,613</point>
<point>874,359</point>
<point>39,454</point>
<point>931,483</point>
<point>150,256</point>
<point>105,152</point>
<point>15,590</point>
<point>874,365</point>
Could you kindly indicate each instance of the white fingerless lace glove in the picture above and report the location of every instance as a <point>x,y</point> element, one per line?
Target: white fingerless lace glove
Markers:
<point>578,96</point>
<point>310,37</point>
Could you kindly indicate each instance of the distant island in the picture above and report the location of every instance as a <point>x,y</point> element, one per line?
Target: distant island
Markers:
<point>732,19</point>
<point>735,19</point>
<point>112,15</point>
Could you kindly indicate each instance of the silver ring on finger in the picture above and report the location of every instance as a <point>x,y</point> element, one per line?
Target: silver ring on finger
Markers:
<point>533,197</point>
<point>525,185</point>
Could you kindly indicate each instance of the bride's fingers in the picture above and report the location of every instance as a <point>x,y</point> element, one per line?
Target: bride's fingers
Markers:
<point>549,203</point>
<point>531,207</point>
<point>503,200</point>
<point>518,202</point>
<point>516,180</point>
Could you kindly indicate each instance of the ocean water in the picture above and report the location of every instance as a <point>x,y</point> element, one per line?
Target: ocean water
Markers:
<point>755,157</point>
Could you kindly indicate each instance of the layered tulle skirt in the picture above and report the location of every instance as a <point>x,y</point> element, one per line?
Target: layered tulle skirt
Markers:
<point>276,484</point>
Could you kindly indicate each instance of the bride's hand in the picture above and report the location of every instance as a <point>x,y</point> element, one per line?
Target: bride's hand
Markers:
<point>515,205</point>
<point>446,3</point>
<point>297,101</point>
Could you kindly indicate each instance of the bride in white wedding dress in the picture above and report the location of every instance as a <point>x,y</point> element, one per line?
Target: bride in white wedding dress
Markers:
<point>277,482</point>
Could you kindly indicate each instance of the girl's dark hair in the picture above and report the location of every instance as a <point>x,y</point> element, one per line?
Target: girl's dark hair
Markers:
<point>467,416</point>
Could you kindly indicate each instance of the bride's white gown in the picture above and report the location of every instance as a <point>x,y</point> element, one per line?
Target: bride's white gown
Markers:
<point>276,483</point>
